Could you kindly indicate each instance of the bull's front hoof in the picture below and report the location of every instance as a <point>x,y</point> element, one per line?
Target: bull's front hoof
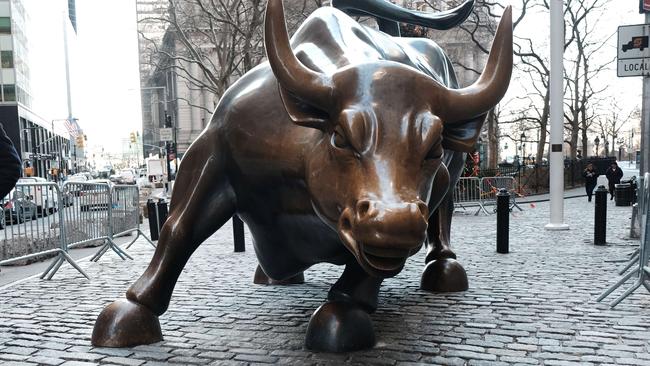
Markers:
<point>340,326</point>
<point>261,278</point>
<point>125,324</point>
<point>444,275</point>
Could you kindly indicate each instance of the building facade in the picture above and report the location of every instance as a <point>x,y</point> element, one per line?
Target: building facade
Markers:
<point>43,142</point>
<point>170,100</point>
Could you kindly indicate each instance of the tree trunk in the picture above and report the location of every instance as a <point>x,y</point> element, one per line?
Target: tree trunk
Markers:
<point>493,142</point>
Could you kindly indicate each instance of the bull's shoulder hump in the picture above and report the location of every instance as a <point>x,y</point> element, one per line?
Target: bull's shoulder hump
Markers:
<point>329,40</point>
<point>430,58</point>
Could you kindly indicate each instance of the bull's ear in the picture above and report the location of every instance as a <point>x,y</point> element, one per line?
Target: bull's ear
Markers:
<point>301,113</point>
<point>462,136</point>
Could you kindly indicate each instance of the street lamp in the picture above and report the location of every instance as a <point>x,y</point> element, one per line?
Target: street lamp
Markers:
<point>597,142</point>
<point>169,123</point>
<point>522,142</point>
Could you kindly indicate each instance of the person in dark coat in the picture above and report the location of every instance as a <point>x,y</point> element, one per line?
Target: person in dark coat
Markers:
<point>10,164</point>
<point>614,175</point>
<point>591,177</point>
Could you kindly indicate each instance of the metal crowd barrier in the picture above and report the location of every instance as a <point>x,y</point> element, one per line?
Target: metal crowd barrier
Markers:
<point>640,257</point>
<point>33,226</point>
<point>91,219</point>
<point>467,194</point>
<point>41,219</point>
<point>126,213</point>
<point>490,187</point>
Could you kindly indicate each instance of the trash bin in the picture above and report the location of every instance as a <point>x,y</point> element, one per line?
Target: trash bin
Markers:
<point>623,194</point>
<point>157,212</point>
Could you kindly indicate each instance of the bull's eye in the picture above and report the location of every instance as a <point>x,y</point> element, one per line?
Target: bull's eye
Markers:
<point>339,140</point>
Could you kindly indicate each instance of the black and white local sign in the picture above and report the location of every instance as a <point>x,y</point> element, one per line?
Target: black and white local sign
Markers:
<point>633,50</point>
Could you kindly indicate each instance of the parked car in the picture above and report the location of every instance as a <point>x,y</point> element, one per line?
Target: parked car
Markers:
<point>45,198</point>
<point>18,208</point>
<point>127,176</point>
<point>95,197</point>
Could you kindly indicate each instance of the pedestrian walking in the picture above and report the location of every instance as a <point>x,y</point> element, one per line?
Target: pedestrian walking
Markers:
<point>9,164</point>
<point>591,178</point>
<point>614,175</point>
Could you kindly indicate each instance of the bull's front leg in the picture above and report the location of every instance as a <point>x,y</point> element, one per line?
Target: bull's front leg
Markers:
<point>442,272</point>
<point>343,323</point>
<point>202,201</point>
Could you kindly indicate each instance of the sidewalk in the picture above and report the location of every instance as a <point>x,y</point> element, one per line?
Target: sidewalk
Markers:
<point>534,306</point>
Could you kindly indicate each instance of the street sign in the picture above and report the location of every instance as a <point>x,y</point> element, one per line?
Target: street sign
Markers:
<point>634,67</point>
<point>166,134</point>
<point>633,50</point>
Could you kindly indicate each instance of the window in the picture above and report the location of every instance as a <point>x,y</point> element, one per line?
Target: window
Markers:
<point>9,91</point>
<point>5,25</point>
<point>7,59</point>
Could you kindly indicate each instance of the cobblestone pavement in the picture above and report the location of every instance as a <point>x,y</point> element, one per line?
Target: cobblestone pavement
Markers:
<point>534,306</point>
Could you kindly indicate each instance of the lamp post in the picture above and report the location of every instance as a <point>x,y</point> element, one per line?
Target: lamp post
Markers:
<point>522,141</point>
<point>169,123</point>
<point>597,142</point>
<point>631,146</point>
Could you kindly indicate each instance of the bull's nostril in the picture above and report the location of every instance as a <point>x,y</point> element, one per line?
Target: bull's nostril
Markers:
<point>362,208</point>
<point>346,224</point>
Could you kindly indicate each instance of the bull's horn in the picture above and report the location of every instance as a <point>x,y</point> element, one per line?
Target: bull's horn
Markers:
<point>310,86</point>
<point>487,91</point>
<point>386,10</point>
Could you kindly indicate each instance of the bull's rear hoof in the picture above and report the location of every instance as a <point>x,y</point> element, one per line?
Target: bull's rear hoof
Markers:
<point>339,326</point>
<point>125,324</point>
<point>261,278</point>
<point>444,275</point>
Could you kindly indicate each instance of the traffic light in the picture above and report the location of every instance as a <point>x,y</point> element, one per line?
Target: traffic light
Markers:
<point>168,121</point>
<point>79,141</point>
<point>132,138</point>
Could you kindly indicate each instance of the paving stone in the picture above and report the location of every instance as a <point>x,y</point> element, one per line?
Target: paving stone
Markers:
<point>532,306</point>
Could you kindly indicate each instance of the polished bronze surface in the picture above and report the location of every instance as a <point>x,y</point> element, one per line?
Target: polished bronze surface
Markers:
<point>260,278</point>
<point>343,148</point>
<point>388,15</point>
<point>125,324</point>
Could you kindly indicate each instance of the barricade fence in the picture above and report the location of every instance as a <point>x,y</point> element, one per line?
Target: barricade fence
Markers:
<point>482,192</point>
<point>638,267</point>
<point>42,220</point>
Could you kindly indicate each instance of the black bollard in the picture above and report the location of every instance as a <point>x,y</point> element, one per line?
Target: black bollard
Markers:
<point>600,222</point>
<point>503,221</point>
<point>238,234</point>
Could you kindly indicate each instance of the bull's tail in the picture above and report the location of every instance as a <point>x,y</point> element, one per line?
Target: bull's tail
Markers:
<point>388,14</point>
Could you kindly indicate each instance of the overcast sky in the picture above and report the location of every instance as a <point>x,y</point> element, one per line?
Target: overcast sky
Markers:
<point>107,71</point>
<point>107,80</point>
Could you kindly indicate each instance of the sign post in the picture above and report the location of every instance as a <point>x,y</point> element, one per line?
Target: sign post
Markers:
<point>634,60</point>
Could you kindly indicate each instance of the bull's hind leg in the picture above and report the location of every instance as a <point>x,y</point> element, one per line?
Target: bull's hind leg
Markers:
<point>343,323</point>
<point>442,272</point>
<point>202,202</point>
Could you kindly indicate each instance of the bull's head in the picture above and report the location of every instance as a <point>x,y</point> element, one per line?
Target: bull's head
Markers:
<point>383,131</point>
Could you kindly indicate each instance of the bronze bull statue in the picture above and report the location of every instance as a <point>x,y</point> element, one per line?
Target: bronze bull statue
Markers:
<point>343,148</point>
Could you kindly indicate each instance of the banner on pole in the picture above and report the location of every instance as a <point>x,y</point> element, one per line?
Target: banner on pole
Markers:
<point>644,6</point>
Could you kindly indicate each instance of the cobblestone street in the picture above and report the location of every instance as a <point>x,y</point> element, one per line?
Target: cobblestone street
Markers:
<point>534,306</point>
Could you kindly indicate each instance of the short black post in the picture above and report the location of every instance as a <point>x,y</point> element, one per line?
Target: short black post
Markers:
<point>503,221</point>
<point>238,234</point>
<point>600,222</point>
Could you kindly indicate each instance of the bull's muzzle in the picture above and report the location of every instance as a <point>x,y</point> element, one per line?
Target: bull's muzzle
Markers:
<point>383,235</point>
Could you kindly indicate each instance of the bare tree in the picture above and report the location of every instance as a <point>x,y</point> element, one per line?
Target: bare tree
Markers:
<point>609,125</point>
<point>580,95</point>
<point>209,44</point>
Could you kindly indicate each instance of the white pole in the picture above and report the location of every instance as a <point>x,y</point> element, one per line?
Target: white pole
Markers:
<point>556,182</point>
<point>645,121</point>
